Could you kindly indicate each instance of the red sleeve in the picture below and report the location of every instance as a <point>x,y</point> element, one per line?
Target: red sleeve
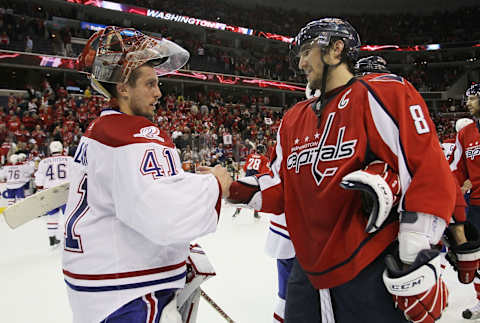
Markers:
<point>458,164</point>
<point>459,215</point>
<point>271,184</point>
<point>401,133</point>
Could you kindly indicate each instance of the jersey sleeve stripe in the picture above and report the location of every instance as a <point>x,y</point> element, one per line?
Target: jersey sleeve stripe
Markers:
<point>269,181</point>
<point>79,288</point>
<point>457,155</point>
<point>124,274</point>
<point>388,129</point>
<point>280,234</point>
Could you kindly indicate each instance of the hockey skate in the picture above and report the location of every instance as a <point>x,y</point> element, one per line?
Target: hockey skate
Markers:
<point>472,313</point>
<point>54,242</point>
<point>237,212</point>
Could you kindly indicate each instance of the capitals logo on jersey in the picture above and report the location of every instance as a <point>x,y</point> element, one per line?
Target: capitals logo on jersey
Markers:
<point>312,153</point>
<point>472,151</point>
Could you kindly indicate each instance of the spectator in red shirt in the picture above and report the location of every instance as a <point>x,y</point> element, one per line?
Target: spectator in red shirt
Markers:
<point>39,135</point>
<point>13,123</point>
<point>29,121</point>
<point>22,134</point>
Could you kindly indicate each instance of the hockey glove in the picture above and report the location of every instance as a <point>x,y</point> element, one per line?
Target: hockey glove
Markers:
<point>380,188</point>
<point>465,257</point>
<point>418,291</point>
<point>246,192</point>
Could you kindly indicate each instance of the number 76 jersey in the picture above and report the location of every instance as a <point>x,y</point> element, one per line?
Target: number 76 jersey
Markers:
<point>53,171</point>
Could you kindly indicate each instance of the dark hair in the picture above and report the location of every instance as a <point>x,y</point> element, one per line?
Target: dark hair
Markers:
<point>344,57</point>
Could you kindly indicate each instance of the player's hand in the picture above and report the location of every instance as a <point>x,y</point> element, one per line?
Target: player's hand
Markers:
<point>380,187</point>
<point>419,290</point>
<point>463,241</point>
<point>222,176</point>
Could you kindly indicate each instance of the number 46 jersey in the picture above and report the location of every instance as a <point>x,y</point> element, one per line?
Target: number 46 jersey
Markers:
<point>53,171</point>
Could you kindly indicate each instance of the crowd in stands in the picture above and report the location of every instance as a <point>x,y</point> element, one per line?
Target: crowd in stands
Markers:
<point>206,128</point>
<point>24,27</point>
<point>209,127</point>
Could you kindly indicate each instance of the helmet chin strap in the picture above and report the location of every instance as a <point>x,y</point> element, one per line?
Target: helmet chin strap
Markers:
<point>318,107</point>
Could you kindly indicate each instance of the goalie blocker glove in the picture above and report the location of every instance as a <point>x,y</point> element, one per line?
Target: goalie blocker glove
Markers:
<point>418,291</point>
<point>465,257</point>
<point>381,189</point>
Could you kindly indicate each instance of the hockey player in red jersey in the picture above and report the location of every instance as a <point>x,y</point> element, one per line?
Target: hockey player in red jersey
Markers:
<point>132,210</point>
<point>256,163</point>
<point>348,270</point>
<point>466,166</point>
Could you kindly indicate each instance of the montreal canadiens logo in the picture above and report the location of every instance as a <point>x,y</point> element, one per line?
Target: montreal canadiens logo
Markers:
<point>150,133</point>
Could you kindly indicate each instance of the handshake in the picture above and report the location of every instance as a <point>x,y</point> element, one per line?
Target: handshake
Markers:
<point>222,176</point>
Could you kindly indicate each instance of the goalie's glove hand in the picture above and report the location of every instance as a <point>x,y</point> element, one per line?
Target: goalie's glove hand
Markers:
<point>246,192</point>
<point>380,188</point>
<point>419,290</point>
<point>464,257</point>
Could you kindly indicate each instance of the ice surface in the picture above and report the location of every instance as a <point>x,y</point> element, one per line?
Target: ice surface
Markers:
<point>33,290</point>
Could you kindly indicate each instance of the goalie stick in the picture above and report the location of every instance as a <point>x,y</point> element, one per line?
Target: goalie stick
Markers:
<point>36,205</point>
<point>216,307</point>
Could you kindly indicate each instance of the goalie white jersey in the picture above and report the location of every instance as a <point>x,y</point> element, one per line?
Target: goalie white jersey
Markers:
<point>53,171</point>
<point>131,214</point>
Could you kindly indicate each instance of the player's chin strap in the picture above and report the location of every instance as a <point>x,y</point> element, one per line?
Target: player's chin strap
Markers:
<point>318,107</point>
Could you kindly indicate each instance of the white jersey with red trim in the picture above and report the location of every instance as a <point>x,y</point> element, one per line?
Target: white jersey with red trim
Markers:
<point>379,116</point>
<point>131,214</point>
<point>278,244</point>
<point>16,175</point>
<point>53,171</point>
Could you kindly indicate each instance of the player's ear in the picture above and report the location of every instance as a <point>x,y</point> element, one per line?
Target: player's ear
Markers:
<point>122,90</point>
<point>337,49</point>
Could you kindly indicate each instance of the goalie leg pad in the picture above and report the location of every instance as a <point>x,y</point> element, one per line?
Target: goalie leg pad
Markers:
<point>199,269</point>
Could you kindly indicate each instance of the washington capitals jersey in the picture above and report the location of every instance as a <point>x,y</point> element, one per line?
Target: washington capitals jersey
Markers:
<point>257,163</point>
<point>466,159</point>
<point>53,171</point>
<point>131,214</point>
<point>379,116</point>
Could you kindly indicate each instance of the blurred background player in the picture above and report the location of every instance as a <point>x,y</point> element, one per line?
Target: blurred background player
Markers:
<point>370,64</point>
<point>323,140</point>
<point>22,159</point>
<point>53,171</point>
<point>16,176</point>
<point>255,163</point>
<point>466,166</point>
<point>132,210</point>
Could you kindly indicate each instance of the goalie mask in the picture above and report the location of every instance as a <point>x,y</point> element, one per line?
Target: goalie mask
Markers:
<point>371,64</point>
<point>111,55</point>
